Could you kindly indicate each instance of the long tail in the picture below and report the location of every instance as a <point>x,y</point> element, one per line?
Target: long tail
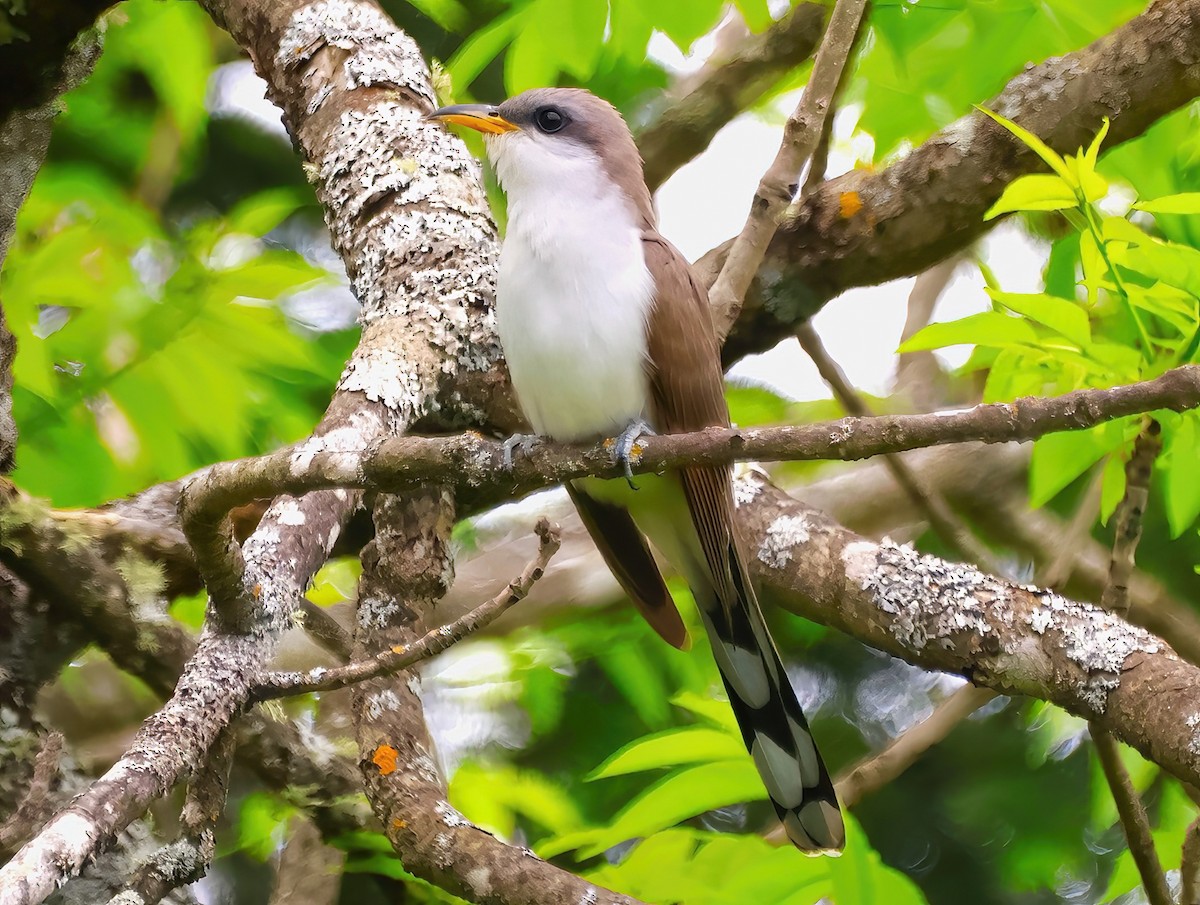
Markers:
<point>771,719</point>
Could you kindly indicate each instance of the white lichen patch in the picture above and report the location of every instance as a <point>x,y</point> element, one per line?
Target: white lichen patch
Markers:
<point>748,479</point>
<point>927,599</point>
<point>1193,723</point>
<point>1095,640</point>
<point>480,881</point>
<point>450,815</point>
<point>381,702</point>
<point>783,536</point>
<point>381,53</point>
<point>289,512</point>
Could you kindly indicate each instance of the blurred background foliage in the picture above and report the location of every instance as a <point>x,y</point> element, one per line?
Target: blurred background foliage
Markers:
<point>176,302</point>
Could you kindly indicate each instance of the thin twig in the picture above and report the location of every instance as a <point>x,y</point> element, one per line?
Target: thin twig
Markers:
<point>1189,868</point>
<point>324,629</point>
<point>1116,599</point>
<point>873,773</point>
<point>729,83</point>
<point>948,526</point>
<point>1133,818</point>
<point>819,161</point>
<point>282,684</point>
<point>777,188</point>
<point>919,376</point>
<point>1129,519</point>
<point>476,465</point>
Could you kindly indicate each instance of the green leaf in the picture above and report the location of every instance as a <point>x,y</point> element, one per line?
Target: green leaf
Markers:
<point>1182,203</point>
<point>1093,151</point>
<point>988,328</point>
<point>683,21</point>
<point>1181,478</point>
<point>1058,459</point>
<point>1058,314</point>
<point>756,13</point>
<point>1035,144</point>
<point>260,213</point>
<point>1035,192</point>
<point>1174,264</point>
<point>449,14</point>
<point>483,47</point>
<point>678,797</point>
<point>635,676</point>
<point>1095,268</point>
<point>671,748</point>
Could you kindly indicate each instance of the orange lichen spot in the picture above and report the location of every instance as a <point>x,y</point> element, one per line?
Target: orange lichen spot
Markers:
<point>850,204</point>
<point>385,759</point>
<point>257,591</point>
<point>400,649</point>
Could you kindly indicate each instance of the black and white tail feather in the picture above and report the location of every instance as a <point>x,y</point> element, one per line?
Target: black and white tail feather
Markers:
<point>772,722</point>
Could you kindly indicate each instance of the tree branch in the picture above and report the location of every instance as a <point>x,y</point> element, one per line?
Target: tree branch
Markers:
<point>392,660</point>
<point>1014,639</point>
<point>406,569</point>
<point>1133,820</point>
<point>777,188</point>
<point>476,465</point>
<point>187,859</point>
<point>724,88</point>
<point>353,90</point>
<point>1115,599</point>
<point>931,203</point>
<point>948,526</point>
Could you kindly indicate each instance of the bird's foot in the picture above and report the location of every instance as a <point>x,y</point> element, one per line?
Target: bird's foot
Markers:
<point>523,442</point>
<point>624,443</point>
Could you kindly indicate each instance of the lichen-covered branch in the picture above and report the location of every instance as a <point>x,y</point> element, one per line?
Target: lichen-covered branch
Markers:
<point>406,569</point>
<point>408,215</point>
<point>931,202</point>
<point>432,643</point>
<point>475,465</point>
<point>188,858</point>
<point>1014,639</point>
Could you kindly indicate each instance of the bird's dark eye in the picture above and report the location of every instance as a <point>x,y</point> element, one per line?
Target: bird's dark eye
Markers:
<point>549,120</point>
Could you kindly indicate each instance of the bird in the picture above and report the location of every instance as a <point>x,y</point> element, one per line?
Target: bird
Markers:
<point>607,333</point>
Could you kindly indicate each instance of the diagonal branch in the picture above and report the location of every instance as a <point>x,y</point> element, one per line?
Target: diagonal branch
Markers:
<point>773,197</point>
<point>726,86</point>
<point>392,660</point>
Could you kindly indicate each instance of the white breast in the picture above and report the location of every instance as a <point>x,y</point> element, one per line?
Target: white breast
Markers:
<point>573,292</point>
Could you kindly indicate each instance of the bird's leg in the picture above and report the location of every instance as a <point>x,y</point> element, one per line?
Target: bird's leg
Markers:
<point>523,442</point>
<point>623,445</point>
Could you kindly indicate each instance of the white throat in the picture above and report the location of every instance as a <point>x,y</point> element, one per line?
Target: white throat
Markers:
<point>573,292</point>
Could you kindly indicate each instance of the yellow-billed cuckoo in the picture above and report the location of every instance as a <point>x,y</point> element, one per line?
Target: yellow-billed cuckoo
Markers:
<point>607,333</point>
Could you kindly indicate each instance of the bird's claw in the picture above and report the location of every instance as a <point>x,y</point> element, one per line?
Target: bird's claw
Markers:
<point>623,445</point>
<point>523,442</point>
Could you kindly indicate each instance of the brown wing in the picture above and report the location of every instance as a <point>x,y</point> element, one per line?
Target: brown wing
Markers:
<point>687,393</point>
<point>628,557</point>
